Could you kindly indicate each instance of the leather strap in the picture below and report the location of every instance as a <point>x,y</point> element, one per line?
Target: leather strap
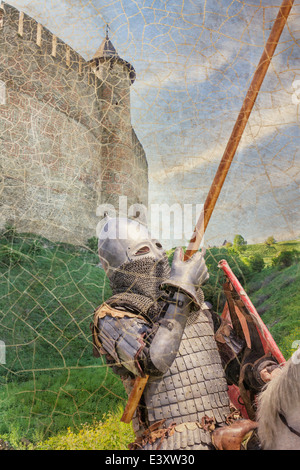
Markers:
<point>283,419</point>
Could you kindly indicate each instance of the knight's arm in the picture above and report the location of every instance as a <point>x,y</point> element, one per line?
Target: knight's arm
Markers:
<point>141,348</point>
<point>134,345</point>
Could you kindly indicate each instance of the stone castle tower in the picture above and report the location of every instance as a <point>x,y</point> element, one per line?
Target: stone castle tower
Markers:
<point>67,143</point>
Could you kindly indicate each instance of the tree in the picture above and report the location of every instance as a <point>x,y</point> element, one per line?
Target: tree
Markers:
<point>270,240</point>
<point>239,242</point>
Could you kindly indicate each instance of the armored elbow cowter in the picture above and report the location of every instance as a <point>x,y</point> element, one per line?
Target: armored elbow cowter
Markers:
<point>124,340</point>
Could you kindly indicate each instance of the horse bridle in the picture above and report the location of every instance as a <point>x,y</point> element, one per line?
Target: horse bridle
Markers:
<point>284,421</point>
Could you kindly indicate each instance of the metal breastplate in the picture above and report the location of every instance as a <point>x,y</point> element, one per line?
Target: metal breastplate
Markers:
<point>193,388</point>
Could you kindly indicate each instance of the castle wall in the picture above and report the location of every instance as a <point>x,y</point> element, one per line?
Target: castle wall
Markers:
<point>58,127</point>
<point>120,145</point>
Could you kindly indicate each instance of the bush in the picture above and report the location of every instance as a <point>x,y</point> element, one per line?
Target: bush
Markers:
<point>214,294</point>
<point>109,434</point>
<point>11,257</point>
<point>35,248</point>
<point>92,243</point>
<point>9,232</point>
<point>228,244</point>
<point>285,259</point>
<point>256,263</point>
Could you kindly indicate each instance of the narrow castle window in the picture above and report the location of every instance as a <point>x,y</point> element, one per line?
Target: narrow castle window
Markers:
<point>68,56</point>
<point>54,46</point>
<point>1,16</point>
<point>2,92</point>
<point>39,35</point>
<point>21,23</point>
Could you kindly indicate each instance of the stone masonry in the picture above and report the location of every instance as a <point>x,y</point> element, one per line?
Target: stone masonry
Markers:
<point>67,143</point>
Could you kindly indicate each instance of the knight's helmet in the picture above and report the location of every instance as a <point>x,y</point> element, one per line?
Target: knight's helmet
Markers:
<point>133,261</point>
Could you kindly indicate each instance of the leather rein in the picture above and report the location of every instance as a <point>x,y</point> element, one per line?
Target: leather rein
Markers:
<point>284,421</point>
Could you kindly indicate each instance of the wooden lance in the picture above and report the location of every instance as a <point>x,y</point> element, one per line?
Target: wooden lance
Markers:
<point>230,150</point>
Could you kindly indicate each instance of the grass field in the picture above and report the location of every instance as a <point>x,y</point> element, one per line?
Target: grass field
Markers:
<point>50,380</point>
<point>51,387</point>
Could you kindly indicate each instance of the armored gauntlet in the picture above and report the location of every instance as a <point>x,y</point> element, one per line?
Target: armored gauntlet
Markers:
<point>187,276</point>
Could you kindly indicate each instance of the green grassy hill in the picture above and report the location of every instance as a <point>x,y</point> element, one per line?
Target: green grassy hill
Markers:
<point>273,289</point>
<point>50,382</point>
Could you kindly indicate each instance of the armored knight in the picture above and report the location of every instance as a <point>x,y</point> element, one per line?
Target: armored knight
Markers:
<point>157,323</point>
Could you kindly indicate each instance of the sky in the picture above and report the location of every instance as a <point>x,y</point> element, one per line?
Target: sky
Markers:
<point>194,62</point>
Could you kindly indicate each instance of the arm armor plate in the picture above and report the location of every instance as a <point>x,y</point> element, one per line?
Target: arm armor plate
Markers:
<point>166,341</point>
<point>123,340</point>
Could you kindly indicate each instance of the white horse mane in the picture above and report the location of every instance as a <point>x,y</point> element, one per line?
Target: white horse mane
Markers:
<point>282,393</point>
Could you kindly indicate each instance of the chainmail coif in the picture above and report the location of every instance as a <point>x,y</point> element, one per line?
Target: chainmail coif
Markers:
<point>136,286</point>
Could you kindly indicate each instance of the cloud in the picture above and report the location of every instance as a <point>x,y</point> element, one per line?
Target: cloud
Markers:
<point>265,121</point>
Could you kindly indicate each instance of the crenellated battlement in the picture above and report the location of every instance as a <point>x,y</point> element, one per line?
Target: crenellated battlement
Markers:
<point>25,28</point>
<point>37,63</point>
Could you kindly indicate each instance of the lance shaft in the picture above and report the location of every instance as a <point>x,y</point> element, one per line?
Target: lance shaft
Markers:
<point>239,127</point>
<point>140,382</point>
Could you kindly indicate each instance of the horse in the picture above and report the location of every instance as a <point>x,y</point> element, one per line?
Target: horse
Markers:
<point>278,413</point>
